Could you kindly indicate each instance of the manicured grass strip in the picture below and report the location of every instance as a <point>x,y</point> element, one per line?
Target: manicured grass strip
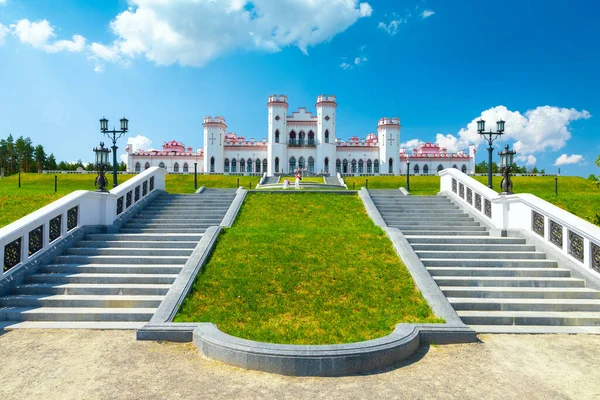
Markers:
<point>304,269</point>
<point>185,183</point>
<point>292,179</point>
<point>419,185</point>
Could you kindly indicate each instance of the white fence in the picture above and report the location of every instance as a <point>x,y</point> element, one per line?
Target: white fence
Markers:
<point>575,237</point>
<point>28,237</point>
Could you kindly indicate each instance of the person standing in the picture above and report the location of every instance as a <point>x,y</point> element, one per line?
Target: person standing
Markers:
<point>297,180</point>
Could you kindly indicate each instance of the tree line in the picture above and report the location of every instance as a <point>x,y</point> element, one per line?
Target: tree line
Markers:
<point>21,155</point>
<point>482,168</point>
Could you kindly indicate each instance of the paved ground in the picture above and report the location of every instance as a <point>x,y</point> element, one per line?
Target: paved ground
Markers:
<point>71,364</point>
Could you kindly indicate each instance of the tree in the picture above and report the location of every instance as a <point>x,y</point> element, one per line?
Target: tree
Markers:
<point>63,166</point>
<point>535,170</point>
<point>51,163</point>
<point>11,156</point>
<point>597,162</point>
<point>593,177</point>
<point>40,157</point>
<point>122,166</point>
<point>20,145</point>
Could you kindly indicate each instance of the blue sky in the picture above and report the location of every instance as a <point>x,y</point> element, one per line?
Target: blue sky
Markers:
<point>436,64</point>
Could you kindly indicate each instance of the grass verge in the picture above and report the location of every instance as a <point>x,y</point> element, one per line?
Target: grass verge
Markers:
<point>309,269</point>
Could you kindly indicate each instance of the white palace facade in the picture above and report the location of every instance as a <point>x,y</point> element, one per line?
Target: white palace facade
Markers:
<point>301,140</point>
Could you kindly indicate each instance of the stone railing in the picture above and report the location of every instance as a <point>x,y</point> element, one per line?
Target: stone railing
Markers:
<point>574,237</point>
<point>263,179</point>
<point>30,236</point>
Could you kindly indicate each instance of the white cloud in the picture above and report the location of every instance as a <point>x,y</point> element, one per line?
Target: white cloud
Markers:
<point>37,34</point>
<point>3,33</point>
<point>3,2</point>
<point>536,130</point>
<point>138,142</point>
<point>191,32</point>
<point>356,63</point>
<point>392,27</point>
<point>427,13</point>
<point>529,159</point>
<point>345,66</point>
<point>411,144</point>
<point>572,159</point>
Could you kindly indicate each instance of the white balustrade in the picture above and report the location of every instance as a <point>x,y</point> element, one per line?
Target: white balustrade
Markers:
<point>574,236</point>
<point>28,237</point>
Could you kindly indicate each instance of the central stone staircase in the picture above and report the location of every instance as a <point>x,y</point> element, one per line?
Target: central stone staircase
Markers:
<point>117,280</point>
<point>495,284</point>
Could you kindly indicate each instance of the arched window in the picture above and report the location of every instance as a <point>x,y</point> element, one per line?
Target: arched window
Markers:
<point>311,138</point>
<point>301,138</point>
<point>311,164</point>
<point>454,166</point>
<point>425,169</point>
<point>391,166</point>
<point>242,165</point>
<point>292,138</point>
<point>226,165</point>
<point>440,168</point>
<point>185,167</point>
<point>361,166</point>
<point>276,164</point>
<point>369,167</point>
<point>292,164</point>
<point>326,136</point>
<point>147,166</point>
<point>326,165</point>
<point>277,136</point>
<point>176,167</point>
<point>249,165</point>
<point>464,169</point>
<point>416,169</point>
<point>162,165</point>
<point>233,165</point>
<point>264,165</point>
<point>301,162</point>
<point>257,165</point>
<point>353,166</point>
<point>137,167</point>
<point>345,167</point>
<point>376,167</point>
<point>338,166</point>
<point>212,164</point>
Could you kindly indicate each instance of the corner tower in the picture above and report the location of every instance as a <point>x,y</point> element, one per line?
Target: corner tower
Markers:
<point>326,134</point>
<point>277,134</point>
<point>388,132</point>
<point>214,144</point>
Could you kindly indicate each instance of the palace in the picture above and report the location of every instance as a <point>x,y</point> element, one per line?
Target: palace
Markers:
<point>301,140</point>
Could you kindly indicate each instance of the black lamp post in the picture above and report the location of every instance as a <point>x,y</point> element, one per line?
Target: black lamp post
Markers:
<point>101,162</point>
<point>407,174</point>
<point>114,135</point>
<point>506,162</point>
<point>490,137</point>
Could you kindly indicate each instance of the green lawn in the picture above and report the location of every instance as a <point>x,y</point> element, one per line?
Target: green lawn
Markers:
<point>300,273</point>
<point>292,179</point>
<point>419,185</point>
<point>185,183</point>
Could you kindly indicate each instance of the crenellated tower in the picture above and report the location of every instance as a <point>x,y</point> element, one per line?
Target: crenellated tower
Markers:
<point>277,134</point>
<point>214,144</point>
<point>388,132</point>
<point>326,133</point>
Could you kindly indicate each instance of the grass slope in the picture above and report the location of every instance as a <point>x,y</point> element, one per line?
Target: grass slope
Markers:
<point>304,269</point>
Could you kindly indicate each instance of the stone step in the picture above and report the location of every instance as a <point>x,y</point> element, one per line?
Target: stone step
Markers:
<point>473,227</point>
<point>425,232</point>
<point>486,281</point>
<point>111,269</point>
<point>152,225</point>
<point>529,318</point>
<point>482,255</point>
<point>61,300</point>
<point>437,224</point>
<point>416,239</point>
<point>162,230</point>
<point>554,305</point>
<point>433,218</point>
<point>120,259</point>
<point>177,215</point>
<point>102,289</point>
<point>75,314</point>
<point>138,244</point>
<point>536,330</point>
<point>179,219</point>
<point>102,278</point>
<point>497,263</point>
<point>195,237</point>
<point>420,211</point>
<point>472,247</point>
<point>520,292</point>
<point>498,272</point>
<point>412,203</point>
<point>96,325</point>
<point>118,251</point>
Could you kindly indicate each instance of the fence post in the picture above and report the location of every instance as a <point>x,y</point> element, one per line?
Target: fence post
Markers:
<point>19,180</point>
<point>55,182</point>
<point>238,182</point>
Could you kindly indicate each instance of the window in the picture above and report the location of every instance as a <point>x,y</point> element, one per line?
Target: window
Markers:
<point>345,167</point>
<point>416,169</point>
<point>176,167</point>
<point>464,169</point>
<point>257,165</point>
<point>276,164</point>
<point>185,168</point>
<point>162,165</point>
<point>338,166</point>
<point>212,164</point>
<point>376,166</point>
<point>361,167</point>
<point>326,136</point>
<point>147,166</point>
<point>425,169</point>
<point>353,166</point>
<point>311,164</point>
<point>454,166</point>
<point>391,166</point>
<point>137,167</point>
<point>233,165</point>
<point>369,167</point>
<point>301,138</point>
<point>440,168</point>
<point>249,165</point>
<point>242,165</point>
<point>292,164</point>
<point>301,163</point>
<point>226,165</point>
<point>277,136</point>
<point>264,165</point>
<point>292,138</point>
<point>326,164</point>
<point>311,138</point>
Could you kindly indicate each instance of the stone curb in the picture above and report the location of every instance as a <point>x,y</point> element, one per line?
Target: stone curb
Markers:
<point>234,208</point>
<point>200,190</point>
<point>294,191</point>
